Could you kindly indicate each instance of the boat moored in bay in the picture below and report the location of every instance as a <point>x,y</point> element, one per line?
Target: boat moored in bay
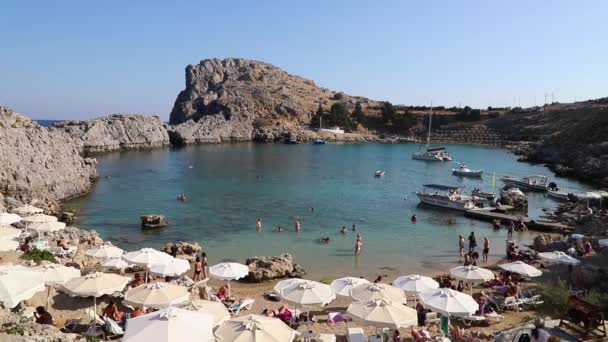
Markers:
<point>464,171</point>
<point>532,183</point>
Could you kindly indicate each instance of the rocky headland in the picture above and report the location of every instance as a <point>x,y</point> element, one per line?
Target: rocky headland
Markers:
<point>39,166</point>
<point>115,132</point>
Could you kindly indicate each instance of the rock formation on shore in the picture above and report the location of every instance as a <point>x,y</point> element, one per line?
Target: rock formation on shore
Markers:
<point>39,165</point>
<point>227,99</point>
<point>266,268</point>
<point>116,132</point>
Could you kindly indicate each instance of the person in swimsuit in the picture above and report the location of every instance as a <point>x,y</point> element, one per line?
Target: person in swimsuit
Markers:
<point>297,226</point>
<point>204,262</point>
<point>354,227</point>
<point>343,230</point>
<point>198,269</point>
<point>258,225</point>
<point>461,245</point>
<point>358,245</point>
<point>486,248</point>
<point>414,218</point>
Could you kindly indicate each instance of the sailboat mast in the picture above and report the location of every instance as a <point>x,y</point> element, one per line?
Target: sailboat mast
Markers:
<point>428,136</point>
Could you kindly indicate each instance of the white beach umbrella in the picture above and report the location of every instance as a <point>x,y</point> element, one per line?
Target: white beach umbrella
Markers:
<point>216,309</point>
<point>383,313</point>
<point>95,285</point>
<point>8,245</point>
<point>448,302</point>
<point>172,268</point>
<point>105,252</point>
<point>6,218</point>
<point>115,262</point>
<point>342,286</point>
<point>229,271</point>
<point>413,284</point>
<point>19,283</point>
<point>147,257</point>
<point>56,274</point>
<point>254,328</point>
<point>577,236</point>
<point>559,258</point>
<point>157,295</point>
<point>603,242</point>
<point>40,218</point>
<point>7,233</point>
<point>170,324</point>
<point>286,282</point>
<point>522,268</point>
<point>472,274</point>
<point>367,292</point>
<point>47,227</point>
<point>308,292</point>
<point>27,210</point>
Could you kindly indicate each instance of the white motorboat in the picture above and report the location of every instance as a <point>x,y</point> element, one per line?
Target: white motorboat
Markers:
<point>450,200</point>
<point>379,173</point>
<point>558,195</point>
<point>532,183</point>
<point>464,171</point>
<point>431,154</point>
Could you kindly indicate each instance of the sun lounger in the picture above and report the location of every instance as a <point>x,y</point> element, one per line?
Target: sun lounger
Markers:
<point>112,329</point>
<point>469,320</point>
<point>355,335</point>
<point>512,303</point>
<point>533,301</point>
<point>245,305</point>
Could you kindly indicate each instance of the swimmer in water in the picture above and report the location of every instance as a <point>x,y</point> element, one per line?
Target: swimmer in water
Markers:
<point>414,218</point>
<point>343,230</point>
<point>324,239</point>
<point>297,226</point>
<point>354,227</point>
<point>258,224</point>
<point>358,245</point>
<point>279,229</point>
<point>312,209</point>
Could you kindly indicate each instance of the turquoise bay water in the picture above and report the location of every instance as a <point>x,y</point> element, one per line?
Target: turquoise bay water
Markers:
<point>231,185</point>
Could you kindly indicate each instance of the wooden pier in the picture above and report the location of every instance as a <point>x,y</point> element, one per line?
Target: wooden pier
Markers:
<point>490,214</point>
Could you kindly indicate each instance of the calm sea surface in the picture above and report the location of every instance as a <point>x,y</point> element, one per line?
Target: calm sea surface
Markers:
<point>231,185</point>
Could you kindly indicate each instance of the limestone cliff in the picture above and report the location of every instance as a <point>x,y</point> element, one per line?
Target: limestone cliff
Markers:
<point>116,132</point>
<point>224,97</point>
<point>38,164</point>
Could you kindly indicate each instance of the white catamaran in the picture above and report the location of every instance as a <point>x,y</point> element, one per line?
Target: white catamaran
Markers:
<point>432,154</point>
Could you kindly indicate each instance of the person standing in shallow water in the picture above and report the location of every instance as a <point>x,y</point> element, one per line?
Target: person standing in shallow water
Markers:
<point>358,245</point>
<point>486,249</point>
<point>461,245</point>
<point>414,218</point>
<point>297,226</point>
<point>258,225</point>
<point>204,264</point>
<point>472,242</point>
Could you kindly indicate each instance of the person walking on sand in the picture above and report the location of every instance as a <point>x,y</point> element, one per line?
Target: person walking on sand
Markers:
<point>461,245</point>
<point>486,248</point>
<point>358,245</point>
<point>258,225</point>
<point>297,226</point>
<point>472,242</point>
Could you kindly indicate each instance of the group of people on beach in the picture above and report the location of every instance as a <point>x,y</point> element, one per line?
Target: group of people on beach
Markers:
<point>470,258</point>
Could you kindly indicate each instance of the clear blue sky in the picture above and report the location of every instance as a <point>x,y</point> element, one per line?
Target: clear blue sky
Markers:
<point>83,59</point>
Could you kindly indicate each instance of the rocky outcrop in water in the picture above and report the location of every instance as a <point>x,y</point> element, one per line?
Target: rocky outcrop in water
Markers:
<point>266,268</point>
<point>182,249</point>
<point>39,165</point>
<point>229,99</point>
<point>116,132</point>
